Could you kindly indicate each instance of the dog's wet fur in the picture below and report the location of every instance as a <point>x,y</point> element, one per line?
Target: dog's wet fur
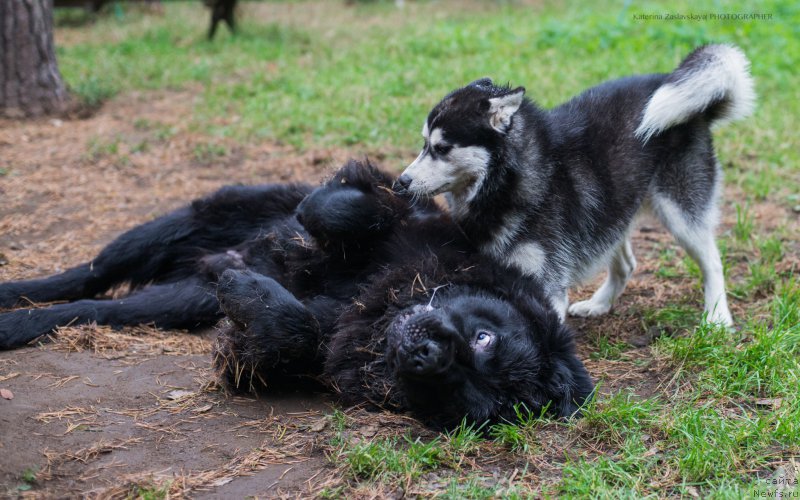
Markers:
<point>556,192</point>
<point>377,295</point>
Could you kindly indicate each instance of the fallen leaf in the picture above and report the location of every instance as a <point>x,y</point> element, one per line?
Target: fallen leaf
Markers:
<point>6,394</point>
<point>319,425</point>
<point>178,394</point>
<point>773,403</point>
<point>203,409</point>
<point>368,431</point>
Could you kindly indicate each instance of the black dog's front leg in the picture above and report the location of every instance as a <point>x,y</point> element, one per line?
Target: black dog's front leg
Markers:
<point>271,332</point>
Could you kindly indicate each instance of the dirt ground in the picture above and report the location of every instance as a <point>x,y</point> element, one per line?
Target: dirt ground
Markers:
<point>108,413</point>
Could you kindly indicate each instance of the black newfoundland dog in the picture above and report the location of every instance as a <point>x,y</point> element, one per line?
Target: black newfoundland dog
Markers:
<point>378,295</point>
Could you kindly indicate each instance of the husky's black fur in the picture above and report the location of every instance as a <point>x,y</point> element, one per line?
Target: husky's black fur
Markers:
<point>338,283</point>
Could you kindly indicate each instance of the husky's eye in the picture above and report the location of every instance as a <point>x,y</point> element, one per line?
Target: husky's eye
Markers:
<point>442,149</point>
<point>483,339</point>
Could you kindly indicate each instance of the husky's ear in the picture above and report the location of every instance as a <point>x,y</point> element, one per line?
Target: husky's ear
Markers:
<point>502,108</point>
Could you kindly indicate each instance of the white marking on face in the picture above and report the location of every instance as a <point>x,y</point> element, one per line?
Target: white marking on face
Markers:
<point>425,130</point>
<point>459,171</point>
<point>528,258</point>
<point>435,138</point>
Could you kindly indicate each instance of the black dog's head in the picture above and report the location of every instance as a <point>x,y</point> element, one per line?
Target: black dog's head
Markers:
<point>477,355</point>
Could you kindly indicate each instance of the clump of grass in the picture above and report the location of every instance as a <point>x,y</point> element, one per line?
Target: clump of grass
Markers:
<point>625,474</point>
<point>671,318</point>
<point>520,436</point>
<point>28,477</point>
<point>743,229</point>
<point>666,267</point>
<point>699,348</point>
<point>607,349</point>
<point>99,147</point>
<point>390,459</point>
<point>612,418</point>
<point>464,439</point>
<point>150,491</point>
<point>710,444</point>
<point>472,487</point>
<point>207,153</point>
<point>93,91</point>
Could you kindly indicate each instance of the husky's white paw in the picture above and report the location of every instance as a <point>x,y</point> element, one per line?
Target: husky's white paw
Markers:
<point>721,318</point>
<point>588,309</point>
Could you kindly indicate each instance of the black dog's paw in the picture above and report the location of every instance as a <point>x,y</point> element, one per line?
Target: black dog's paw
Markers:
<point>214,265</point>
<point>342,214</point>
<point>249,298</point>
<point>270,330</point>
<point>352,208</point>
<point>239,360</point>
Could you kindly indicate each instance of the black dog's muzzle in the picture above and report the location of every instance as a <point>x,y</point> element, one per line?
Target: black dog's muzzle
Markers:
<point>426,344</point>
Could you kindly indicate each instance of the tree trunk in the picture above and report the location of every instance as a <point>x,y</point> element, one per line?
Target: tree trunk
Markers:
<point>30,83</point>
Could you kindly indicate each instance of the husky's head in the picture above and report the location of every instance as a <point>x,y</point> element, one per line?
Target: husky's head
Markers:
<point>461,133</point>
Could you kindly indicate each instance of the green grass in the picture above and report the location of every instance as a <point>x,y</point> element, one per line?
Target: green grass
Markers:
<point>363,77</point>
<point>368,81</point>
<point>392,459</point>
<point>743,230</point>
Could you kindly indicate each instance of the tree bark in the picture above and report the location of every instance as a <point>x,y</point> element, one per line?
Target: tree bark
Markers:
<point>30,83</point>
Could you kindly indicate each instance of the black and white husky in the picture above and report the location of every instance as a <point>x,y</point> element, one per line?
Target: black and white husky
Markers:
<point>555,192</point>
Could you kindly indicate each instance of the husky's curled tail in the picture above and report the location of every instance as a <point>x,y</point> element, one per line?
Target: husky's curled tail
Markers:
<point>713,80</point>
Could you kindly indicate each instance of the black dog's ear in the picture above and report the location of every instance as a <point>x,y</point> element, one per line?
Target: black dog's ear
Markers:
<point>502,108</point>
<point>570,385</point>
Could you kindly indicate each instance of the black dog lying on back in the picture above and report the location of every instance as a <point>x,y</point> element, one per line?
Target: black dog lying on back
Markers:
<point>382,298</point>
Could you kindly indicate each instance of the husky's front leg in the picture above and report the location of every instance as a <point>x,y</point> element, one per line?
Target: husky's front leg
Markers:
<point>620,269</point>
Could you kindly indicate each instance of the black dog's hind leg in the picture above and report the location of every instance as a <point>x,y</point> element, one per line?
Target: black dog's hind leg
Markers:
<point>185,304</point>
<point>139,256</point>
<point>271,332</point>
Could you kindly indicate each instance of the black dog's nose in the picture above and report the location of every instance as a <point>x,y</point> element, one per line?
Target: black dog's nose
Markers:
<point>429,357</point>
<point>404,181</point>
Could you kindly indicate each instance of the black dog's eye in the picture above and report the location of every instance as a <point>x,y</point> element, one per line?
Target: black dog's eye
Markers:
<point>442,149</point>
<point>483,339</point>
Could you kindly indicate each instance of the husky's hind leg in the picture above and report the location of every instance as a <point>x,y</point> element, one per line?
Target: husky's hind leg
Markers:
<point>620,269</point>
<point>696,236</point>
